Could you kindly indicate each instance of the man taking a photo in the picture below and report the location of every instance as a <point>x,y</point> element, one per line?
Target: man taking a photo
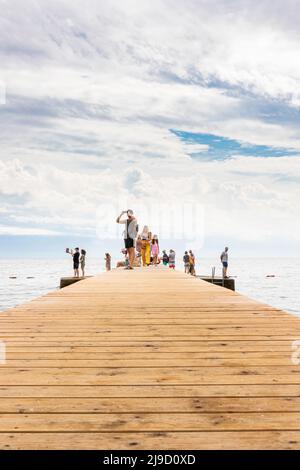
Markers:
<point>130,234</point>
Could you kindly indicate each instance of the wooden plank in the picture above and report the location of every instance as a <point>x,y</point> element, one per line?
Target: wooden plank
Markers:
<point>110,354</point>
<point>153,405</point>
<point>168,331</point>
<point>236,440</point>
<point>171,361</point>
<point>213,347</point>
<point>63,328</point>
<point>150,391</point>
<point>148,376</point>
<point>149,422</point>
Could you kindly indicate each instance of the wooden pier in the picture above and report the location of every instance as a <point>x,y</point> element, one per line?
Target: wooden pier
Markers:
<point>148,359</point>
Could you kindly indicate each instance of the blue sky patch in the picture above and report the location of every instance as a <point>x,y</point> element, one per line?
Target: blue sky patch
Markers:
<point>222,148</point>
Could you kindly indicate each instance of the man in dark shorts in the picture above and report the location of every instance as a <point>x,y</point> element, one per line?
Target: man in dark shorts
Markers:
<point>130,234</point>
<point>224,261</point>
<point>76,257</point>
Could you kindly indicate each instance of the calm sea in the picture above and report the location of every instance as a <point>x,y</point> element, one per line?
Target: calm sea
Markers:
<point>37,277</point>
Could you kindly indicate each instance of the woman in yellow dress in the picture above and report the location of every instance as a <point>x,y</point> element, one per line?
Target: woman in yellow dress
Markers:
<point>145,248</point>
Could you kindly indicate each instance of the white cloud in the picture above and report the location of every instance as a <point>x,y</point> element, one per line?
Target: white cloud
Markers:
<point>93,89</point>
<point>14,230</point>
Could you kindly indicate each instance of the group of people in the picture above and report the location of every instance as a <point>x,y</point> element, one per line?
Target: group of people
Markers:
<point>147,247</point>
<point>78,260</point>
<point>189,262</point>
<point>147,253</point>
<point>169,259</point>
<point>142,249</point>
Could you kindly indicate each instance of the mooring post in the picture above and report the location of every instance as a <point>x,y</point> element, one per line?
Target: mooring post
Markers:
<point>213,272</point>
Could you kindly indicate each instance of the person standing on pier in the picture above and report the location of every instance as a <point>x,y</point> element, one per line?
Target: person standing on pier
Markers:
<point>224,261</point>
<point>76,257</point>
<point>146,246</point>
<point>82,262</point>
<point>172,255</point>
<point>130,234</point>
<point>154,250</point>
<point>186,261</point>
<point>192,261</point>
<point>138,246</point>
<point>107,262</point>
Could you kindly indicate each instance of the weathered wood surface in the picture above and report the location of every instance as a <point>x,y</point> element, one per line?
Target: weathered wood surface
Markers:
<point>149,358</point>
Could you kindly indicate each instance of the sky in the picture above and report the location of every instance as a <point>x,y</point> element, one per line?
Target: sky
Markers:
<point>187,112</point>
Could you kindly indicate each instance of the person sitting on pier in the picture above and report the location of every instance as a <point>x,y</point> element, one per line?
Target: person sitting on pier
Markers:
<point>165,258</point>
<point>224,261</point>
<point>125,263</point>
<point>130,234</point>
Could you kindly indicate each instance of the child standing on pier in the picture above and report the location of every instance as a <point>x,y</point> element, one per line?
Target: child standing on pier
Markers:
<point>107,261</point>
<point>154,250</point>
<point>82,262</point>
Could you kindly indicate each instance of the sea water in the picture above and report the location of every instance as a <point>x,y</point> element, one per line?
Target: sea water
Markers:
<point>24,279</point>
